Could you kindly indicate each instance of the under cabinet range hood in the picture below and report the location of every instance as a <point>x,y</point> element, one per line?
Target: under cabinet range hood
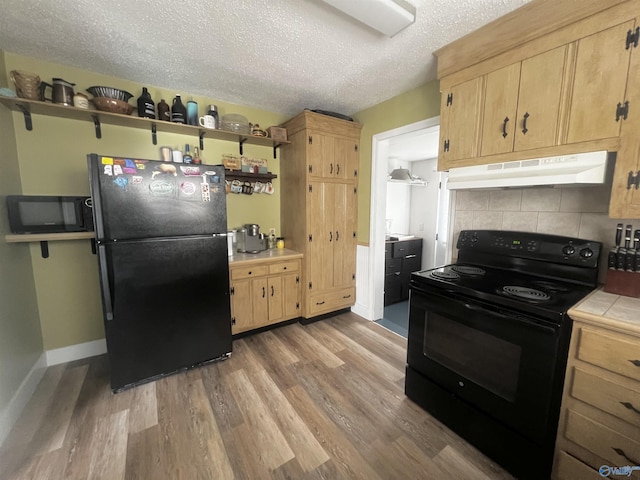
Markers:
<point>579,169</point>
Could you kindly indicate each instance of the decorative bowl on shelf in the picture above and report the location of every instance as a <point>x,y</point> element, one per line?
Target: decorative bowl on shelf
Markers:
<point>112,105</point>
<point>233,122</point>
<point>110,92</point>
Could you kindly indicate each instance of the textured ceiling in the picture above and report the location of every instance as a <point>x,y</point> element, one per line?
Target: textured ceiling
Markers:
<point>278,55</point>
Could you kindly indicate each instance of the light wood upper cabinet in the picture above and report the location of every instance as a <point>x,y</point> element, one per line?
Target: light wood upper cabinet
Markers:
<point>501,103</point>
<point>541,82</point>
<point>332,157</point>
<point>459,122</point>
<point>599,84</point>
<point>522,104</point>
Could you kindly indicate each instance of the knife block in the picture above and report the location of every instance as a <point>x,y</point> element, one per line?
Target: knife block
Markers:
<point>623,283</point>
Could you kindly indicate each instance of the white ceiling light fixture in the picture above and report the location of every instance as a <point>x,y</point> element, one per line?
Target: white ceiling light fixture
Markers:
<point>386,16</point>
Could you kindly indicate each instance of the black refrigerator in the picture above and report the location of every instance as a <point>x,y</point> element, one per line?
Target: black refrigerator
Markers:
<point>164,273</point>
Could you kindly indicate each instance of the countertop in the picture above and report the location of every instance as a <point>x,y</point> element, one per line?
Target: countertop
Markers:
<point>270,254</point>
<point>609,310</point>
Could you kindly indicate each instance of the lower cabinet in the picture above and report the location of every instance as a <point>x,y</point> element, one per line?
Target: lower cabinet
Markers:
<point>264,293</point>
<point>402,257</point>
<point>599,430</point>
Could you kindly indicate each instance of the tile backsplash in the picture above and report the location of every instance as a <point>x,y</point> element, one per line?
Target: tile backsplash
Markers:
<point>569,211</point>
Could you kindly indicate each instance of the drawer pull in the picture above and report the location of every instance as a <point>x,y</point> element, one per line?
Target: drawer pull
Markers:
<point>630,406</point>
<point>250,272</point>
<point>284,268</point>
<point>411,256</point>
<point>320,303</point>
<point>346,296</point>
<point>635,362</point>
<point>620,452</point>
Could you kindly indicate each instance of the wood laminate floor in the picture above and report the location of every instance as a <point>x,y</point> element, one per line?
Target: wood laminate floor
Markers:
<point>322,401</point>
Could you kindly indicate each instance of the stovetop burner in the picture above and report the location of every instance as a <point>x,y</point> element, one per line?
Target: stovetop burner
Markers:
<point>467,270</point>
<point>445,274</point>
<point>526,293</point>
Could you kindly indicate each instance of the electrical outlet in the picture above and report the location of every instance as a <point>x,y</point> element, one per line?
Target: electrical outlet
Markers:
<point>272,231</point>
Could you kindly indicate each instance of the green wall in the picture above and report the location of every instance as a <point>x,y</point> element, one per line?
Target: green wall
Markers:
<point>20,334</point>
<point>52,160</point>
<point>407,108</point>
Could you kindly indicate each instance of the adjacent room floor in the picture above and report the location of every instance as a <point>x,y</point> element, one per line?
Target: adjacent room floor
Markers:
<point>396,318</point>
<point>319,401</point>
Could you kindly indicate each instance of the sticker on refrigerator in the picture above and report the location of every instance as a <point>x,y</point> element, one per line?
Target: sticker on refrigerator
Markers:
<point>164,168</point>
<point>140,164</point>
<point>129,163</point>
<point>190,171</point>
<point>117,170</point>
<point>130,171</point>
<point>108,170</point>
<point>161,187</point>
<point>119,161</point>
<point>188,188</point>
<point>136,180</point>
<point>107,161</point>
<point>121,181</point>
<point>214,179</point>
<point>204,189</point>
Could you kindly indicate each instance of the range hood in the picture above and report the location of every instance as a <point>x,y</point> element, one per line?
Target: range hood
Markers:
<point>579,169</point>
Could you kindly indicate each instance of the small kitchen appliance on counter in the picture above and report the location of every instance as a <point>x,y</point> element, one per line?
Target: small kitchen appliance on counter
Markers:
<point>489,338</point>
<point>250,240</point>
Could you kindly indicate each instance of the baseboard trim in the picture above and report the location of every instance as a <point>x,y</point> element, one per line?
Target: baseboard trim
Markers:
<point>11,413</point>
<point>76,352</point>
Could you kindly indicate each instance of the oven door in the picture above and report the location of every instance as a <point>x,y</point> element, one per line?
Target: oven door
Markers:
<point>501,362</point>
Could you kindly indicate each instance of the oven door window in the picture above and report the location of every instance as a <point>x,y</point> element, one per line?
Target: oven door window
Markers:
<point>490,362</point>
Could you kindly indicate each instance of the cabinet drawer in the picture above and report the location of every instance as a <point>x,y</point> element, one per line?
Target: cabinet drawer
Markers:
<point>615,448</point>
<point>570,468</point>
<point>610,351</point>
<point>248,272</point>
<point>606,395</point>
<point>284,267</point>
<point>411,264</point>
<point>331,301</point>
<point>393,265</point>
<point>403,248</point>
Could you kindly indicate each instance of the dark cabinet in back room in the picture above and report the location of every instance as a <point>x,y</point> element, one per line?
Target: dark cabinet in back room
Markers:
<point>401,258</point>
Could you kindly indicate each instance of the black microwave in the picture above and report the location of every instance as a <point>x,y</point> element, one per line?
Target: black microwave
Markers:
<point>49,214</point>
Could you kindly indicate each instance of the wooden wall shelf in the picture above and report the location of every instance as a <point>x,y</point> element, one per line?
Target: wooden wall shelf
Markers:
<point>44,238</point>
<point>239,175</point>
<point>29,107</point>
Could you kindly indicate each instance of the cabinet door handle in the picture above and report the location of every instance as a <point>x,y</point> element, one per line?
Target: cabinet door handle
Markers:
<point>504,127</point>
<point>272,290</point>
<point>524,123</point>
<point>630,406</point>
<point>337,169</point>
<point>331,168</point>
<point>263,292</point>
<point>337,235</point>
<point>635,362</point>
<point>331,236</point>
<point>620,452</point>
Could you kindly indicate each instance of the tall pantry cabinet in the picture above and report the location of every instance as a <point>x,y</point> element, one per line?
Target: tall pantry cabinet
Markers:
<point>318,212</point>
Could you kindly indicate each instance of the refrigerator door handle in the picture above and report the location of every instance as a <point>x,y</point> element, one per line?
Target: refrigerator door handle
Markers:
<point>106,288</point>
<point>219,235</point>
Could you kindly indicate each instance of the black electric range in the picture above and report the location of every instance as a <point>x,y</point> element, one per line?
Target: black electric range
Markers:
<point>489,338</point>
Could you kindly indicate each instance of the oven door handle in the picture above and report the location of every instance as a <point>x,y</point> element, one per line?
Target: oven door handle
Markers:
<point>512,318</point>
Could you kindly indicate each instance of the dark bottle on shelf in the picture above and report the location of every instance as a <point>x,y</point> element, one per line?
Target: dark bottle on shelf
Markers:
<point>178,111</point>
<point>146,107</point>
<point>187,158</point>
<point>164,112</point>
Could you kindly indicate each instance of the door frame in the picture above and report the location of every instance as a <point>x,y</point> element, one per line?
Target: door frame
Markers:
<point>379,163</point>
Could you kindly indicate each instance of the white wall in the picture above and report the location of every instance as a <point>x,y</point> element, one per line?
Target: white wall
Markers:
<point>424,209</point>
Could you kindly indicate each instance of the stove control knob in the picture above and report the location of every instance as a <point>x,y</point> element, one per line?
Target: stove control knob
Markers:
<point>568,250</point>
<point>586,253</point>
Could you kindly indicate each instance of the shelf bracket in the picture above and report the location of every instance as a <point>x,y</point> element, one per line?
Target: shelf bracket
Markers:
<point>96,124</point>
<point>27,116</point>
<point>44,249</point>
<point>154,134</point>
<point>240,142</point>
<point>275,149</point>
<point>201,135</point>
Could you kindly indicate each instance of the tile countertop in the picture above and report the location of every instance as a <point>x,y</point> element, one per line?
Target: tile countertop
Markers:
<point>609,310</point>
<point>270,254</point>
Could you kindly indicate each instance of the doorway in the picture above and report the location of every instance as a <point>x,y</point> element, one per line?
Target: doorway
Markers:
<point>415,148</point>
